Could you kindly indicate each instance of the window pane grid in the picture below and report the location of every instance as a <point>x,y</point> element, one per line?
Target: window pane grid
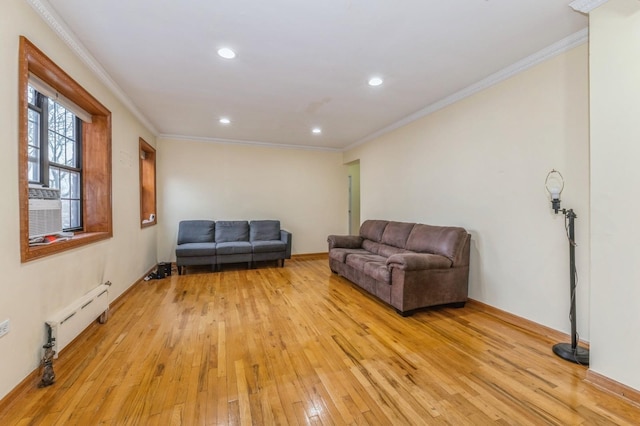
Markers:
<point>33,145</point>
<point>53,154</point>
<point>62,134</point>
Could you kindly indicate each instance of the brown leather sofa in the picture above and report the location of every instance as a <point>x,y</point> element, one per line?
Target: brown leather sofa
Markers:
<point>407,265</point>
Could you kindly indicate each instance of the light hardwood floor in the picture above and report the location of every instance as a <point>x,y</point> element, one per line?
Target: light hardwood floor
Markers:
<point>298,345</point>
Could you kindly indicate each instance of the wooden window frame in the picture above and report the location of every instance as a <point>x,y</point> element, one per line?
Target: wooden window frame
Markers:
<point>148,205</point>
<point>97,212</point>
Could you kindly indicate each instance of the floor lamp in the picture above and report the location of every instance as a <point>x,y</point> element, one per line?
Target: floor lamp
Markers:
<point>571,352</point>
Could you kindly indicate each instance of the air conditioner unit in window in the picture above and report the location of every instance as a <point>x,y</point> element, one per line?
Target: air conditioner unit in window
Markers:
<point>45,211</point>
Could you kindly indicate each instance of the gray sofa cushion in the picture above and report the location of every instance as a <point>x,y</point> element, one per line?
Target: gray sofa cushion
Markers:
<point>232,230</point>
<point>268,246</point>
<point>234,247</point>
<point>264,230</point>
<point>196,249</point>
<point>196,231</point>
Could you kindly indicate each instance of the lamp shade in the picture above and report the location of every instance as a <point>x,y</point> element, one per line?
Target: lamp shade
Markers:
<point>554,184</point>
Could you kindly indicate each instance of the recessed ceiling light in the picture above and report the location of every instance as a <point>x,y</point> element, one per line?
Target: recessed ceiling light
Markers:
<point>226,53</point>
<point>375,81</point>
<point>224,120</point>
<point>316,130</point>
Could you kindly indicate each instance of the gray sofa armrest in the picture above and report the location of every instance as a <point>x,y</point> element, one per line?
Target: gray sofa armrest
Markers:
<point>418,261</point>
<point>344,241</point>
<point>285,236</point>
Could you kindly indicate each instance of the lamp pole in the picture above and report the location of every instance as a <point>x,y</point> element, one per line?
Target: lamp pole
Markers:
<point>572,352</point>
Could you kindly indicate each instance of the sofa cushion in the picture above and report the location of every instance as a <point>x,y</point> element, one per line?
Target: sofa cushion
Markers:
<point>373,229</point>
<point>232,230</point>
<point>196,249</point>
<point>387,251</point>
<point>196,231</point>
<point>396,234</point>
<point>371,246</point>
<point>268,246</point>
<point>442,240</point>
<point>378,271</point>
<point>357,260</point>
<point>418,261</point>
<point>340,254</point>
<point>264,230</point>
<point>234,247</point>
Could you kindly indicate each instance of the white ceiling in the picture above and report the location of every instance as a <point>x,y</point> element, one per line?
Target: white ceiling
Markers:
<point>302,63</point>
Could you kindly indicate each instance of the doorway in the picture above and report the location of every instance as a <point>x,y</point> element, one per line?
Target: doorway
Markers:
<point>354,197</point>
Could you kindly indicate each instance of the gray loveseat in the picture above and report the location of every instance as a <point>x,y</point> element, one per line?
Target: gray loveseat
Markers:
<point>407,265</point>
<point>205,242</point>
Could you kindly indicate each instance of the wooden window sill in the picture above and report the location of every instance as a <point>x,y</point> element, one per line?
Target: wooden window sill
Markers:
<point>78,240</point>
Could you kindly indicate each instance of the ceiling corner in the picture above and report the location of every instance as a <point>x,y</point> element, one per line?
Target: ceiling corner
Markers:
<point>586,6</point>
<point>46,12</point>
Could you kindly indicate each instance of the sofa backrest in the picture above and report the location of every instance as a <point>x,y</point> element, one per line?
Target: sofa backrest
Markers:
<point>373,229</point>
<point>448,241</point>
<point>386,238</point>
<point>396,234</point>
<point>196,231</point>
<point>232,230</point>
<point>264,230</point>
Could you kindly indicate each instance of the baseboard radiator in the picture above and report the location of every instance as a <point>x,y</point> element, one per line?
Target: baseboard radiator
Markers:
<point>69,322</point>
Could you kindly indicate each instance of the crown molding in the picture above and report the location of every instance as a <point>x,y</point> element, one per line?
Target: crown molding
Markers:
<point>586,6</point>
<point>248,143</point>
<point>46,12</point>
<point>564,45</point>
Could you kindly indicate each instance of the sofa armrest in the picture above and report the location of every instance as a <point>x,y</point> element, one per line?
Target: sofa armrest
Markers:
<point>418,261</point>
<point>285,236</point>
<point>344,241</point>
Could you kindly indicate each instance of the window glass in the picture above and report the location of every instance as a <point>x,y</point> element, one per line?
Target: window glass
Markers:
<point>33,145</point>
<point>60,156</point>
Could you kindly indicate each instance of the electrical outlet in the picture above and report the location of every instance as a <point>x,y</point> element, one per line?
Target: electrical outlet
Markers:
<point>4,327</point>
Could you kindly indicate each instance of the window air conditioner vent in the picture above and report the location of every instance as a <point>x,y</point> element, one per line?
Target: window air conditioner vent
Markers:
<point>45,211</point>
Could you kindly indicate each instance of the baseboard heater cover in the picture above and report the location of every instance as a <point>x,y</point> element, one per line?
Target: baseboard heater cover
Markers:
<point>69,322</point>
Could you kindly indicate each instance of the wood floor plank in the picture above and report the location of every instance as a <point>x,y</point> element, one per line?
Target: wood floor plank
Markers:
<point>300,345</point>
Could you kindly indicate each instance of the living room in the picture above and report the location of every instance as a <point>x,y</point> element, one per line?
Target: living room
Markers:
<point>479,163</point>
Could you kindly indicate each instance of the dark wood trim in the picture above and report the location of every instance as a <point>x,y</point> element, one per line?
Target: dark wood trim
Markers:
<point>96,148</point>
<point>522,323</point>
<point>148,193</point>
<point>610,385</point>
<point>310,256</point>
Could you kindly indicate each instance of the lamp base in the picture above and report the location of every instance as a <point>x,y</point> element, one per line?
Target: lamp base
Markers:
<point>578,355</point>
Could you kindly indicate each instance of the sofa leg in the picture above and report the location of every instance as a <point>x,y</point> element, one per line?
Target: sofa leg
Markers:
<point>282,263</point>
<point>406,313</point>
<point>458,305</point>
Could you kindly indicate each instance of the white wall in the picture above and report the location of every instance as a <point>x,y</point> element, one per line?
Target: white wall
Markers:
<point>31,292</point>
<point>615,205</point>
<point>481,163</point>
<point>306,190</point>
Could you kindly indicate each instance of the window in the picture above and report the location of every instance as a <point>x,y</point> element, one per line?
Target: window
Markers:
<point>61,150</point>
<point>56,162</point>
<point>147,184</point>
